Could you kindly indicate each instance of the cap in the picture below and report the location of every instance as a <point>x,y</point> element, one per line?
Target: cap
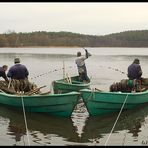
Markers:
<point>136,61</point>
<point>16,60</point>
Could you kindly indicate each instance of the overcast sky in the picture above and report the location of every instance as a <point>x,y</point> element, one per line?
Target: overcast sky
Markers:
<point>86,18</point>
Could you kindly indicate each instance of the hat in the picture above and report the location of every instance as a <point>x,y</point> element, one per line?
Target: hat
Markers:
<point>136,61</point>
<point>16,60</point>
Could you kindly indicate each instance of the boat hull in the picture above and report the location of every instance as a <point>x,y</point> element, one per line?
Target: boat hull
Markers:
<point>61,86</point>
<point>101,103</point>
<point>53,104</point>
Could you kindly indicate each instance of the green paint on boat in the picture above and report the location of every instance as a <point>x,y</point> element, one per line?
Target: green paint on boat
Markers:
<point>101,103</point>
<point>62,86</point>
<point>52,104</point>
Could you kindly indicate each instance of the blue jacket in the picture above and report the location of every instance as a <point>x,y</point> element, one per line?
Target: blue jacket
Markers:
<point>134,71</point>
<point>18,71</point>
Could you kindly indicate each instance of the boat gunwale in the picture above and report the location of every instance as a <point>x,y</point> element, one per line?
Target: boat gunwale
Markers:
<point>83,84</point>
<point>38,95</point>
<point>71,84</point>
<point>114,93</point>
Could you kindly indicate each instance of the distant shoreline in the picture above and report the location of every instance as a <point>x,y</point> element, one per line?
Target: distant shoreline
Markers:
<point>66,47</point>
<point>43,39</point>
<point>43,47</point>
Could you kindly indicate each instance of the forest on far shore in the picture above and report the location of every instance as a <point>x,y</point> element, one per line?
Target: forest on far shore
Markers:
<point>137,38</point>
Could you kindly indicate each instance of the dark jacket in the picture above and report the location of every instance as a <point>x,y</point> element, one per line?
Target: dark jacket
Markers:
<point>134,71</point>
<point>3,74</point>
<point>18,71</point>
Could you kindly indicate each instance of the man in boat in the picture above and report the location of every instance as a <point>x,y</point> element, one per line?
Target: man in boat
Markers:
<point>135,73</point>
<point>18,74</point>
<point>3,70</point>
<point>134,70</point>
<point>80,61</point>
<point>134,83</point>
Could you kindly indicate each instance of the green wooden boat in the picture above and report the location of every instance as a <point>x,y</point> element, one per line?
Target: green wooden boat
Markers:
<point>63,86</point>
<point>53,104</point>
<point>101,103</point>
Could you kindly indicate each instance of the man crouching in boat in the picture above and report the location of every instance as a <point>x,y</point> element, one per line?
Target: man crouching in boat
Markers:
<point>80,61</point>
<point>135,83</point>
<point>19,76</point>
<point>135,72</point>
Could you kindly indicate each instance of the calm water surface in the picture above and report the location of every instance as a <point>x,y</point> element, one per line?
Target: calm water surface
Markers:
<point>105,66</point>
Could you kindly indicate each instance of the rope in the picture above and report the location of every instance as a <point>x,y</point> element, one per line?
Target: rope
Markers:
<point>92,93</point>
<point>115,69</point>
<point>46,73</point>
<point>25,119</point>
<point>116,119</point>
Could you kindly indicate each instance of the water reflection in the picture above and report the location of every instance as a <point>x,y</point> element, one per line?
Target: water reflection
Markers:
<point>42,128</point>
<point>97,128</point>
<point>79,117</point>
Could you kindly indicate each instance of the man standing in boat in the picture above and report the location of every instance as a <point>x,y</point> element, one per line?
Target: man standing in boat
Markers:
<point>80,61</point>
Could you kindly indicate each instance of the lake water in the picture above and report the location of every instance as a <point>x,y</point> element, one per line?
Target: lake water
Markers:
<point>105,66</point>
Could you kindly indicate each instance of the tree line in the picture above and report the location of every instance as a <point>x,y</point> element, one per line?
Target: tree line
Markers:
<point>137,38</point>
